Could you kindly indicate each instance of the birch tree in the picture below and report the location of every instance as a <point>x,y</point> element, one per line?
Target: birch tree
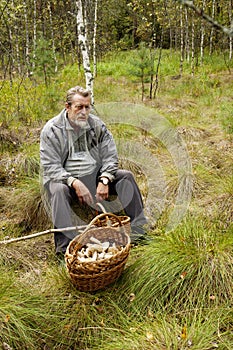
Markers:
<point>212,28</point>
<point>94,39</point>
<point>187,41</point>
<point>193,46</point>
<point>202,34</point>
<point>181,42</point>
<point>34,33</point>
<point>230,9</point>
<point>52,35</point>
<point>27,41</point>
<point>82,39</point>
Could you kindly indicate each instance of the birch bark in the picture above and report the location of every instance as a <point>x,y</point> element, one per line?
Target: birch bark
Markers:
<point>52,35</point>
<point>34,34</point>
<point>82,39</point>
<point>94,39</point>
<point>230,9</point>
<point>202,35</point>
<point>27,60</point>
<point>181,41</point>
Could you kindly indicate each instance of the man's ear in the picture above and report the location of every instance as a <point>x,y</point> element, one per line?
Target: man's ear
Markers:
<point>67,106</point>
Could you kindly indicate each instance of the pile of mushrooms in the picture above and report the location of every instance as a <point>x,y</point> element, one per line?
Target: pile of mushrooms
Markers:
<point>97,250</point>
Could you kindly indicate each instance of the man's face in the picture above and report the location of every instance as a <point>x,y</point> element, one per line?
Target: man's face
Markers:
<point>79,110</point>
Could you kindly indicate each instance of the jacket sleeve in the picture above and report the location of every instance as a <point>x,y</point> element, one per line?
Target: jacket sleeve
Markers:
<point>52,155</point>
<point>108,154</point>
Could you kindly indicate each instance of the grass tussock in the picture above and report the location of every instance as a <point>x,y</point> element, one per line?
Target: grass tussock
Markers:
<point>177,266</point>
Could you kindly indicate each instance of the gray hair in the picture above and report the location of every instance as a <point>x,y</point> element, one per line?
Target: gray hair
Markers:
<point>76,90</point>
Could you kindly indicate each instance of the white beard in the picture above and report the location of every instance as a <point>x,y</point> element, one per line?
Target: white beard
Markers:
<point>81,123</point>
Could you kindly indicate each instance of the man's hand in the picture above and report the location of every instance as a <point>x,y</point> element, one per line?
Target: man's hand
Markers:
<point>82,192</point>
<point>102,192</point>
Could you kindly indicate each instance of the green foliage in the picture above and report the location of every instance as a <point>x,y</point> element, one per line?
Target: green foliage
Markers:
<point>44,60</point>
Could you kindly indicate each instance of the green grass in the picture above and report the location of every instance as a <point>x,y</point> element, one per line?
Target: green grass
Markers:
<point>195,257</point>
<point>176,293</point>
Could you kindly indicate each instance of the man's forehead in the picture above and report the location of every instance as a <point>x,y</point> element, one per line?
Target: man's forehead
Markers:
<point>81,99</point>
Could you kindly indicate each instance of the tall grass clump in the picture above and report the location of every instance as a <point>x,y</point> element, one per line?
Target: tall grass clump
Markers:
<point>20,314</point>
<point>196,329</point>
<point>190,267</point>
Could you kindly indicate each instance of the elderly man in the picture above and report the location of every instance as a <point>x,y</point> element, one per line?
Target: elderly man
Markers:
<point>80,164</point>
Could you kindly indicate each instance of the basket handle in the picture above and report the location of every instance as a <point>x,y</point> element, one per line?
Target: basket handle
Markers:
<point>101,207</point>
<point>101,216</point>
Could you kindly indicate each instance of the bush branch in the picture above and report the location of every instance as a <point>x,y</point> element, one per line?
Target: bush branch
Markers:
<point>200,12</point>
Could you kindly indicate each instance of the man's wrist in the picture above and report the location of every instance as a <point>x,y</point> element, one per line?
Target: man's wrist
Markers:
<point>104,180</point>
<point>70,181</point>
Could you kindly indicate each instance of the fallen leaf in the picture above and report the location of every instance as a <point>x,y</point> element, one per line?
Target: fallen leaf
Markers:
<point>184,332</point>
<point>182,276</point>
<point>7,318</point>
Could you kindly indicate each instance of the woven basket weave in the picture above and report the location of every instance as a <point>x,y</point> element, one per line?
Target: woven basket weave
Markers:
<point>112,220</point>
<point>94,275</point>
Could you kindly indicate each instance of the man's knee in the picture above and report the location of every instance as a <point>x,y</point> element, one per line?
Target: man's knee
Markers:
<point>58,189</point>
<point>124,174</point>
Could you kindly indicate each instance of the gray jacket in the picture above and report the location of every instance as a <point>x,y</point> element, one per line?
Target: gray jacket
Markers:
<point>54,148</point>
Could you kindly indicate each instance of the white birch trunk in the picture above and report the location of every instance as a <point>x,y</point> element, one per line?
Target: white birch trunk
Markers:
<point>193,46</point>
<point>52,35</point>
<point>181,41</point>
<point>82,38</point>
<point>212,29</point>
<point>34,34</point>
<point>27,60</point>
<point>187,45</point>
<point>11,53</point>
<point>231,26</point>
<point>94,39</point>
<point>202,35</point>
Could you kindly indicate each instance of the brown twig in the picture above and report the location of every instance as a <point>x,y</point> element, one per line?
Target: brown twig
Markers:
<point>200,12</point>
<point>37,234</point>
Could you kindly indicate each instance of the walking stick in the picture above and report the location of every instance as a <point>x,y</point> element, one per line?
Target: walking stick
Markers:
<point>37,234</point>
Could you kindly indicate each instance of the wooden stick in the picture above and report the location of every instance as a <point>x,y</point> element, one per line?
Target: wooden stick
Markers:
<point>37,234</point>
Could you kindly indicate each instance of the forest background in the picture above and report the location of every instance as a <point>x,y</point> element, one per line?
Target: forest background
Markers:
<point>167,61</point>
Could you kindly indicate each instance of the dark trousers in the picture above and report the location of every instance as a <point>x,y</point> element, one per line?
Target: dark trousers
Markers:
<point>62,197</point>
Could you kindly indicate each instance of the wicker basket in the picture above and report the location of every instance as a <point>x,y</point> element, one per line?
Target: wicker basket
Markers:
<point>112,220</point>
<point>94,275</point>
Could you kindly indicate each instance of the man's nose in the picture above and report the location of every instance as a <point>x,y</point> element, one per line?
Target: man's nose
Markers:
<point>85,109</point>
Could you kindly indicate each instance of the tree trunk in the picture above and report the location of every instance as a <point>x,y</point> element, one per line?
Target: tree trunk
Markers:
<point>27,59</point>
<point>230,9</point>
<point>181,41</point>
<point>82,38</point>
<point>202,35</point>
<point>94,39</point>
<point>212,29</point>
<point>193,47</point>
<point>187,42</point>
<point>52,35</point>
<point>156,82</point>
<point>10,52</point>
<point>34,34</point>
